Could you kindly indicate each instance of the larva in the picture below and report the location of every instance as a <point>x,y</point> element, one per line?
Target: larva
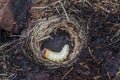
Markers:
<point>57,56</point>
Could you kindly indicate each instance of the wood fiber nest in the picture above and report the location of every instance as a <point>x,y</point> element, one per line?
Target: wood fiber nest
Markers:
<point>42,31</point>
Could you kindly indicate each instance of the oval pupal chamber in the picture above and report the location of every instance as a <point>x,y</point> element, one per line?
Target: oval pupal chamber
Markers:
<point>41,32</point>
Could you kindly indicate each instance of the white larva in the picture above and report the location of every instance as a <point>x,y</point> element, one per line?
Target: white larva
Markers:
<point>57,56</point>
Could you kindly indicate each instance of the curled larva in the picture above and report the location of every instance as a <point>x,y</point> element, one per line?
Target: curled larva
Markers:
<point>57,56</point>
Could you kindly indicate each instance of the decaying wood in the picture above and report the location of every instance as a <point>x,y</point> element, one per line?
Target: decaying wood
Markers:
<point>31,46</point>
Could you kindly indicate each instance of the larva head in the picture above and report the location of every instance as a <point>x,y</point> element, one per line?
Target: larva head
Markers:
<point>41,34</point>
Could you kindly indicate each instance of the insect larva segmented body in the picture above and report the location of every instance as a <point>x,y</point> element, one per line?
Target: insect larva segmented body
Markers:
<point>57,56</point>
